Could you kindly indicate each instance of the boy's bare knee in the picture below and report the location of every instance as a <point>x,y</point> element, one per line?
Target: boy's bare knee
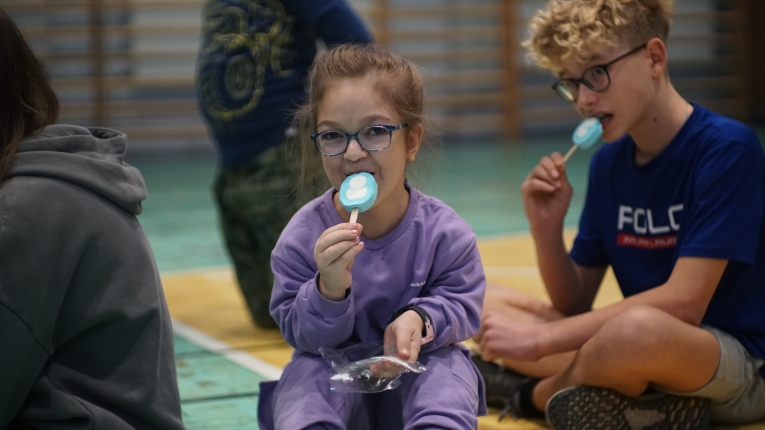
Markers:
<point>627,339</point>
<point>634,334</point>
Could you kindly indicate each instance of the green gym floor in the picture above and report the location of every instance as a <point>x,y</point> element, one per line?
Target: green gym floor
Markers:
<point>481,182</point>
<point>221,356</point>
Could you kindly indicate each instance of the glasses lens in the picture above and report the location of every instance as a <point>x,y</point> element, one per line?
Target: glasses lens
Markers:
<point>331,142</point>
<point>374,138</point>
<point>566,90</point>
<point>596,78</point>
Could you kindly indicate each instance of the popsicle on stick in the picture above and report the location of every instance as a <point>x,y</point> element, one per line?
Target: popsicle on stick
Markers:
<point>358,193</point>
<point>586,134</point>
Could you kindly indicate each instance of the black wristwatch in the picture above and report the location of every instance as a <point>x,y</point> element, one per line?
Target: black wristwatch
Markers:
<point>427,326</point>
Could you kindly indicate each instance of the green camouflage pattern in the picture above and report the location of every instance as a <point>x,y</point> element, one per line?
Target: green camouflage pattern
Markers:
<point>255,203</point>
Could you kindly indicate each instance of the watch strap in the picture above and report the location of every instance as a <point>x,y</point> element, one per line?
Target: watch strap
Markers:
<point>428,334</point>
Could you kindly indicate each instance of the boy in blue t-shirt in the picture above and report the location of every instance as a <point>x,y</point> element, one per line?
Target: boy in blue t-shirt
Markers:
<point>675,206</point>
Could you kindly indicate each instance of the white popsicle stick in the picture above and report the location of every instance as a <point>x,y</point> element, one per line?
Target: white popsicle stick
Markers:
<point>354,215</point>
<point>570,151</point>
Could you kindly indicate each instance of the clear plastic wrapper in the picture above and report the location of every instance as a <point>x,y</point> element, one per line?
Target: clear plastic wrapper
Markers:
<point>361,369</point>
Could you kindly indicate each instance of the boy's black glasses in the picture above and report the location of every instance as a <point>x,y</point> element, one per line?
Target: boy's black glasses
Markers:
<point>595,78</point>
<point>372,138</point>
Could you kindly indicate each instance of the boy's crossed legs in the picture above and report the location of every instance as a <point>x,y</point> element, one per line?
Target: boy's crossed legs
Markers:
<point>640,348</point>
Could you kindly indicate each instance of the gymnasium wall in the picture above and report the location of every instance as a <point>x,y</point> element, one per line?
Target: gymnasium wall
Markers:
<point>129,64</point>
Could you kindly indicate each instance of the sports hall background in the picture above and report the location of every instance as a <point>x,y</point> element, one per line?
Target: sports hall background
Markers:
<point>129,65</point>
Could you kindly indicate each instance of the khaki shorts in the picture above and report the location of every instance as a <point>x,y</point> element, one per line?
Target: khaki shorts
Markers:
<point>737,391</point>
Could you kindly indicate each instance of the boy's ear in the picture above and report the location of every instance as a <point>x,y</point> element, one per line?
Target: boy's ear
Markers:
<point>413,141</point>
<point>657,53</point>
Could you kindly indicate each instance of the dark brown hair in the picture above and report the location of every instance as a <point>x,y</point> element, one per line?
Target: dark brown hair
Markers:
<point>27,102</point>
<point>396,80</point>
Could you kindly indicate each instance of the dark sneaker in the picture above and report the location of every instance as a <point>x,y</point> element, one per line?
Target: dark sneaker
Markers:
<point>502,387</point>
<point>588,408</point>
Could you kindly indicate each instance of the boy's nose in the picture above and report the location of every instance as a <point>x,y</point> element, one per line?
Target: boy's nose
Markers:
<point>586,96</point>
<point>355,151</point>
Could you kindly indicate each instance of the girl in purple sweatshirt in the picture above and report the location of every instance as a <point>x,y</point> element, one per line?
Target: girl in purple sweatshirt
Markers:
<point>407,275</point>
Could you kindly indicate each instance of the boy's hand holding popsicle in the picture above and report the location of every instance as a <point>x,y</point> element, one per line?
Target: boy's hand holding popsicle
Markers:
<point>338,245</point>
<point>546,190</point>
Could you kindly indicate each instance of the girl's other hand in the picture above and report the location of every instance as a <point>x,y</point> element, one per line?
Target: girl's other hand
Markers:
<point>334,252</point>
<point>402,339</point>
<point>547,193</point>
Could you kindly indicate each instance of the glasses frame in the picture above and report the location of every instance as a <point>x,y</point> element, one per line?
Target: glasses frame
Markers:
<point>575,82</point>
<point>390,128</point>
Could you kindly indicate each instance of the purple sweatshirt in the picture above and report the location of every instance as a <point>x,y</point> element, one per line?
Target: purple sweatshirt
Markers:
<point>430,260</point>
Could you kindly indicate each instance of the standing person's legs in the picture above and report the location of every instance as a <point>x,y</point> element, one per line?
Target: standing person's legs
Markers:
<point>256,202</point>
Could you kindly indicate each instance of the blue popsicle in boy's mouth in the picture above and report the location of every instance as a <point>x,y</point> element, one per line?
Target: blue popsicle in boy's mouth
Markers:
<point>586,135</point>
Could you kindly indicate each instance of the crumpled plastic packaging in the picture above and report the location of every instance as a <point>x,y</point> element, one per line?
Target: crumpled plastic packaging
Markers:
<point>362,369</point>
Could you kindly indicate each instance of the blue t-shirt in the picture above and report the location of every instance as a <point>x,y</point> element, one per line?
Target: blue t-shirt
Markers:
<point>253,63</point>
<point>702,196</point>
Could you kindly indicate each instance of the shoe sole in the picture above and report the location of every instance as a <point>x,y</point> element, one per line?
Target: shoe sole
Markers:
<point>590,408</point>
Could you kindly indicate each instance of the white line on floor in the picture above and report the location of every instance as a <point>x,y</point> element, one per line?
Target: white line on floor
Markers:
<point>236,355</point>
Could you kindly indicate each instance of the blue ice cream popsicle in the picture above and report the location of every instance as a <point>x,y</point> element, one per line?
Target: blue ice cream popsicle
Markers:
<point>358,193</point>
<point>586,135</point>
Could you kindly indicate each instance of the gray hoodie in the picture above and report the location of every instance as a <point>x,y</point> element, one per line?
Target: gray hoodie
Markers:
<point>85,335</point>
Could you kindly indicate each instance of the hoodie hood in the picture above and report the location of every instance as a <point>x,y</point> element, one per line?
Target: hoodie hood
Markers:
<point>92,158</point>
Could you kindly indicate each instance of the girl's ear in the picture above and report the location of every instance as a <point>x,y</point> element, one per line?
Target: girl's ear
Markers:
<point>413,140</point>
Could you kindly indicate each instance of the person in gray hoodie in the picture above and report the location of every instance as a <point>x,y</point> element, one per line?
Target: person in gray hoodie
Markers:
<point>85,334</point>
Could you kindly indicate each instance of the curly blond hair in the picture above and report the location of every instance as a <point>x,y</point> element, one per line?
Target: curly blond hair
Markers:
<point>570,28</point>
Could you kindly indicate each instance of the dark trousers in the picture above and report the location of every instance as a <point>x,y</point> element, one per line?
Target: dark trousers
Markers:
<point>256,201</point>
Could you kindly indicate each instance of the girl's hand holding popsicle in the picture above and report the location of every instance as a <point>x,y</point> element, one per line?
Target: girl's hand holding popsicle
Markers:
<point>338,246</point>
<point>334,252</point>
